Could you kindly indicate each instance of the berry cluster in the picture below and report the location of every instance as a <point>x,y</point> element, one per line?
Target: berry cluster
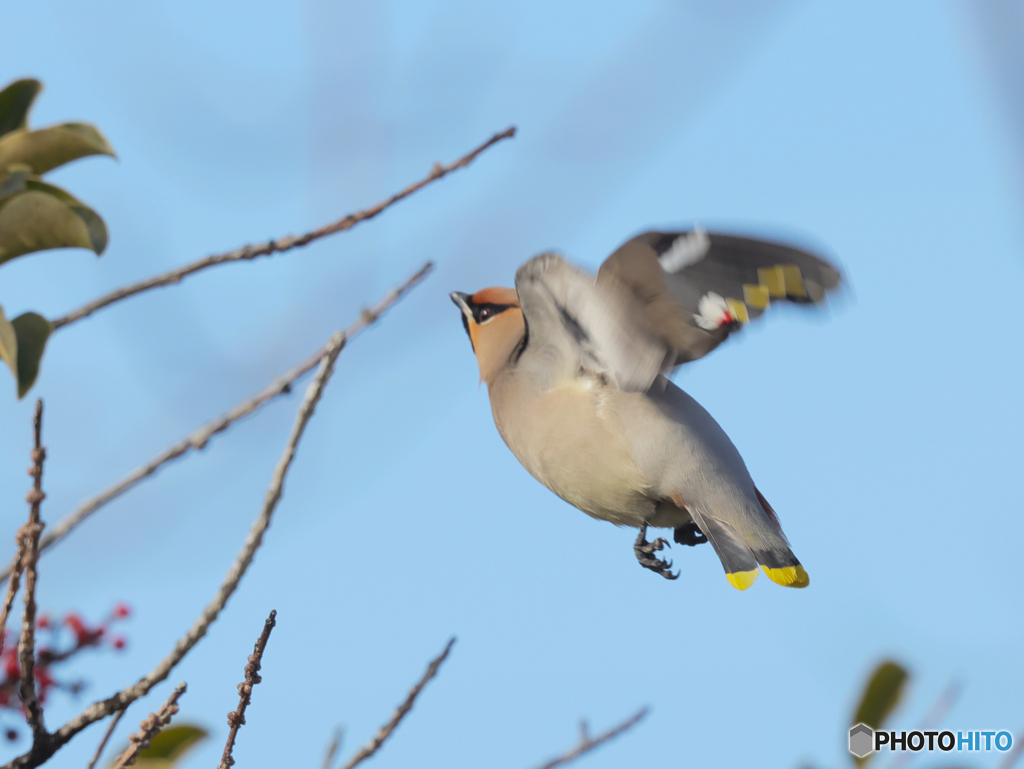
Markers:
<point>63,640</point>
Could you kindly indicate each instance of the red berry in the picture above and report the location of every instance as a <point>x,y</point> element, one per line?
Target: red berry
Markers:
<point>84,636</point>
<point>120,642</point>
<point>43,678</point>
<point>43,622</point>
<point>122,610</point>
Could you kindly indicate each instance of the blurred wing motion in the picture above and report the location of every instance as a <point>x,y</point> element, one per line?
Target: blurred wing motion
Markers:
<point>574,323</point>
<point>695,287</point>
<point>662,299</point>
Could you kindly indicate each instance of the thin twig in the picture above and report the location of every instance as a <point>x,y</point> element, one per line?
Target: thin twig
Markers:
<point>198,439</point>
<point>139,741</point>
<point>30,534</point>
<point>14,571</point>
<point>252,677</point>
<point>933,718</point>
<point>588,743</point>
<point>282,244</point>
<point>1011,758</point>
<point>103,708</point>
<point>385,731</point>
<point>332,749</point>
<point>106,738</point>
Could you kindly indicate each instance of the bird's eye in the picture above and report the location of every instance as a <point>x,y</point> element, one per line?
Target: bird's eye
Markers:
<point>485,313</point>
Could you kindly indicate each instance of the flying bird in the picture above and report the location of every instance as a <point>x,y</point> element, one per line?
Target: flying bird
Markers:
<point>576,369</point>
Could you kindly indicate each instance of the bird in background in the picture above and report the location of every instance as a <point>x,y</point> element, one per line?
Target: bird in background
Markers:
<point>576,369</point>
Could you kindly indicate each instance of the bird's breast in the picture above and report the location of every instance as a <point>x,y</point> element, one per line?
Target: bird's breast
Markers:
<point>570,441</point>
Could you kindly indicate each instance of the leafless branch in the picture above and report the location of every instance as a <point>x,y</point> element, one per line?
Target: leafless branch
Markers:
<point>30,535</point>
<point>106,738</point>
<point>933,718</point>
<point>199,438</point>
<point>588,743</point>
<point>149,728</point>
<point>385,731</point>
<point>252,677</point>
<point>14,571</point>
<point>332,749</point>
<point>283,244</point>
<point>1011,758</point>
<point>103,708</point>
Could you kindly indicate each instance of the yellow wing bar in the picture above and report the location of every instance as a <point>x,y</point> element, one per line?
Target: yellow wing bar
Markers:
<point>776,282</point>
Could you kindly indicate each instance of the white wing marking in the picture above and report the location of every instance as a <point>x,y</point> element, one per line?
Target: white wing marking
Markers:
<point>689,248</point>
<point>712,312</point>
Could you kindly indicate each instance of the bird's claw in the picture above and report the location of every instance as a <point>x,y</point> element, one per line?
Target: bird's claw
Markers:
<point>645,551</point>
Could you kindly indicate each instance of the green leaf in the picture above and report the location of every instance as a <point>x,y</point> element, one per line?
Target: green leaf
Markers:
<point>15,102</point>
<point>174,741</point>
<point>46,148</point>
<point>32,330</point>
<point>44,216</point>
<point>169,746</point>
<point>22,342</point>
<point>14,180</point>
<point>93,223</point>
<point>8,344</point>
<point>881,696</point>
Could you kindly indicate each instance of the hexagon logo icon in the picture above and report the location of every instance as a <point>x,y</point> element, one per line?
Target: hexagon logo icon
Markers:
<point>862,740</point>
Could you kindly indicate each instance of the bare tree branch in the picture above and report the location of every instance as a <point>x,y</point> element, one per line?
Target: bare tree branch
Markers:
<point>199,438</point>
<point>106,738</point>
<point>30,534</point>
<point>283,244</point>
<point>149,728</point>
<point>252,677</point>
<point>588,743</point>
<point>98,710</point>
<point>332,749</point>
<point>385,731</point>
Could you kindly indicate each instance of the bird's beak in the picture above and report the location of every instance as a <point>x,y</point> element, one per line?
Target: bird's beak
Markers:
<point>462,300</point>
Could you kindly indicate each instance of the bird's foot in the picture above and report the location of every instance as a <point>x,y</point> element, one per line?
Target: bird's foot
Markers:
<point>645,551</point>
<point>689,535</point>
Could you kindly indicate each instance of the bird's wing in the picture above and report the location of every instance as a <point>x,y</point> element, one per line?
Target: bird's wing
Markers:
<point>697,287</point>
<point>574,322</point>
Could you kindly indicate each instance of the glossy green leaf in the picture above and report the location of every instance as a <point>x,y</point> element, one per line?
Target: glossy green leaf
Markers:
<point>32,330</point>
<point>44,216</point>
<point>8,344</point>
<point>46,148</point>
<point>881,696</point>
<point>15,102</point>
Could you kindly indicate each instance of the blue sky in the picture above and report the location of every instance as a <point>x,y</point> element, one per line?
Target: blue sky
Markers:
<point>885,431</point>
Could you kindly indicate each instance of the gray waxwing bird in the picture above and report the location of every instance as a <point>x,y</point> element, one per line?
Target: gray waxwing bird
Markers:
<point>576,369</point>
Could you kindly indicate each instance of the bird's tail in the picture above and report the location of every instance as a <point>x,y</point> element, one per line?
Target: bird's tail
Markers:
<point>764,546</point>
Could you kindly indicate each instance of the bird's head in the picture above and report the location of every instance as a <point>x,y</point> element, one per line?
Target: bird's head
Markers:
<point>494,322</point>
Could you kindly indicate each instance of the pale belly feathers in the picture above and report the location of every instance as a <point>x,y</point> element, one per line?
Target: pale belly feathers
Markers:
<point>572,439</point>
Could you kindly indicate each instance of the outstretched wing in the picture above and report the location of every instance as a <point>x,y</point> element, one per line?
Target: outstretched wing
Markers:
<point>574,322</point>
<point>697,287</point>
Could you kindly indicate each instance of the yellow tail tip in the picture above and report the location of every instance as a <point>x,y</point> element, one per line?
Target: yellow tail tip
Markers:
<point>788,576</point>
<point>741,580</point>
